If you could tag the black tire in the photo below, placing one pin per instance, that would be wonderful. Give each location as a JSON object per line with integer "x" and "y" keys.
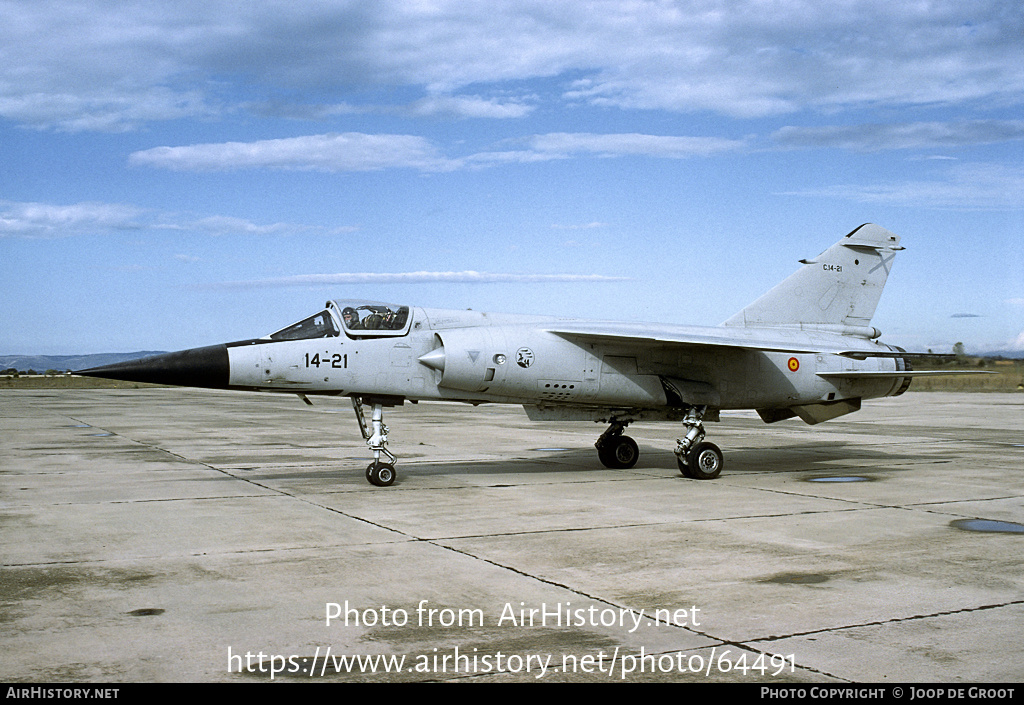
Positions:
{"x": 684, "y": 467}
{"x": 619, "y": 453}
{"x": 705, "y": 461}
{"x": 381, "y": 474}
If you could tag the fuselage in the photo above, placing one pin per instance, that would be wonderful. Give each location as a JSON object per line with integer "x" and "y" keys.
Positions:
{"x": 485, "y": 357}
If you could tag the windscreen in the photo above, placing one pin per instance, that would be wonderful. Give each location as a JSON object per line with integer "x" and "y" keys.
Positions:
{"x": 320, "y": 325}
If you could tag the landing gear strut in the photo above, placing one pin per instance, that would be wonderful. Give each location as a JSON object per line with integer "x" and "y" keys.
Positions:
{"x": 615, "y": 450}
{"x": 696, "y": 457}
{"x": 377, "y": 473}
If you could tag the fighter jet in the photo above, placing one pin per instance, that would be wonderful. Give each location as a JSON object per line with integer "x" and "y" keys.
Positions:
{"x": 805, "y": 349}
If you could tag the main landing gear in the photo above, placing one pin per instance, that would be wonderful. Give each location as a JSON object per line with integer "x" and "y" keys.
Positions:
{"x": 696, "y": 458}
{"x": 377, "y": 473}
{"x": 615, "y": 450}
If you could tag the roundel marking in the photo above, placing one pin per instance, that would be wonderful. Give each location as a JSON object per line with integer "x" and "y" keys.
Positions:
{"x": 794, "y": 364}
{"x": 524, "y": 357}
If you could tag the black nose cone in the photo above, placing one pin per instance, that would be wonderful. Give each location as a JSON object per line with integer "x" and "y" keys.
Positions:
{"x": 196, "y": 367}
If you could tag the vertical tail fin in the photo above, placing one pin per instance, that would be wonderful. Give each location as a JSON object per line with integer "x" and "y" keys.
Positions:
{"x": 838, "y": 290}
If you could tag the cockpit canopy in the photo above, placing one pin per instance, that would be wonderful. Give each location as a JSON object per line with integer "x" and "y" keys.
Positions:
{"x": 369, "y": 318}
{"x": 358, "y": 319}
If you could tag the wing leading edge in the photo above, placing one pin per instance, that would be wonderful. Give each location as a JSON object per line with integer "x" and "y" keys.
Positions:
{"x": 748, "y": 339}
{"x": 762, "y": 340}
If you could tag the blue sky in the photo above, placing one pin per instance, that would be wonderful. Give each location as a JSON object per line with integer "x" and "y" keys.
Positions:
{"x": 181, "y": 174}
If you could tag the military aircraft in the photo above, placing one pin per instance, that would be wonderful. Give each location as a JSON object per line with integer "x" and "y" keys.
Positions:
{"x": 805, "y": 349}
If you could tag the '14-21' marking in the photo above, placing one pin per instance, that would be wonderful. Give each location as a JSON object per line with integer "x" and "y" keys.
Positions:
{"x": 337, "y": 360}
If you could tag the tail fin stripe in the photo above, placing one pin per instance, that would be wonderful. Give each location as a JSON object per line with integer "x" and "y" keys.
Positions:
{"x": 884, "y": 261}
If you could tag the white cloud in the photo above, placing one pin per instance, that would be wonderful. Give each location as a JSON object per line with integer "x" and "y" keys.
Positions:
{"x": 351, "y": 151}
{"x": 102, "y": 110}
{"x": 434, "y": 106}
{"x": 362, "y": 152}
{"x": 966, "y": 186}
{"x": 43, "y": 220}
{"x": 466, "y": 277}
{"x": 468, "y": 107}
{"x": 566, "y": 145}
{"x": 228, "y": 225}
{"x": 916, "y": 135}
{"x": 90, "y": 64}
{"x": 615, "y": 145}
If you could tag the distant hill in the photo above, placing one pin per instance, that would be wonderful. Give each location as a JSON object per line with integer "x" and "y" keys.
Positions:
{"x": 1008, "y": 354}
{"x": 41, "y": 363}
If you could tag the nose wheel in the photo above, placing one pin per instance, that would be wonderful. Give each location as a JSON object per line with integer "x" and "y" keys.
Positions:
{"x": 378, "y": 473}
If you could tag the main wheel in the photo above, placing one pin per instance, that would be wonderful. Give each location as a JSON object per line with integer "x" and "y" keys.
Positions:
{"x": 380, "y": 474}
{"x": 705, "y": 461}
{"x": 619, "y": 453}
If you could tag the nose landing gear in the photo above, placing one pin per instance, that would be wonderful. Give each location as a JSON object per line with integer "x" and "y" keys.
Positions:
{"x": 378, "y": 473}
